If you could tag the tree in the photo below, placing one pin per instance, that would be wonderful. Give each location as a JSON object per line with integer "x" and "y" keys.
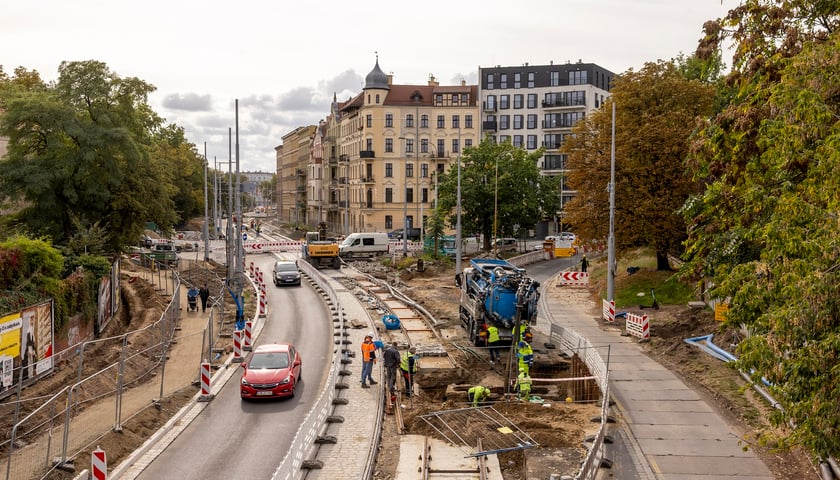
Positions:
{"x": 765, "y": 229}
{"x": 656, "y": 111}
{"x": 501, "y": 190}
{"x": 79, "y": 149}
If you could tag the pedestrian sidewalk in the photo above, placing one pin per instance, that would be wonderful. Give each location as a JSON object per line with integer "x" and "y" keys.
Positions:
{"x": 675, "y": 432}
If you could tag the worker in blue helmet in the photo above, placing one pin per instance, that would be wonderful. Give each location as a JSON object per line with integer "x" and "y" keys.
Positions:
{"x": 525, "y": 354}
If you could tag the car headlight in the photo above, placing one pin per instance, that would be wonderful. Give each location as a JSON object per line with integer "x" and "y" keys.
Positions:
{"x": 286, "y": 380}
{"x": 244, "y": 382}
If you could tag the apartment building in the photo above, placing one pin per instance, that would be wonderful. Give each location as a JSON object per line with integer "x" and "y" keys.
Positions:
{"x": 292, "y": 174}
{"x": 373, "y": 162}
{"x": 536, "y": 106}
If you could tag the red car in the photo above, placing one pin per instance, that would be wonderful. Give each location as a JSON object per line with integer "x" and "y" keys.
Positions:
{"x": 272, "y": 371}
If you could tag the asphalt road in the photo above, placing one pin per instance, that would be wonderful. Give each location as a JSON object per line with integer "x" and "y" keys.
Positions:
{"x": 236, "y": 439}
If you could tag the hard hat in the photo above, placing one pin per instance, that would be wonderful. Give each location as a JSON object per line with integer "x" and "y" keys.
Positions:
{"x": 521, "y": 370}
{"x": 369, "y": 335}
{"x": 412, "y": 350}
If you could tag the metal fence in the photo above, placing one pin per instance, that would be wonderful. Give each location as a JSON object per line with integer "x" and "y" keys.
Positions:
{"x": 73, "y": 419}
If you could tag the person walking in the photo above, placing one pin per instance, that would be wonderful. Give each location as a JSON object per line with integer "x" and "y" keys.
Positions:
{"x": 391, "y": 359}
{"x": 204, "y": 294}
{"x": 584, "y": 263}
{"x": 408, "y": 367}
{"x": 477, "y": 395}
{"x": 493, "y": 342}
{"x": 523, "y": 384}
{"x": 368, "y": 360}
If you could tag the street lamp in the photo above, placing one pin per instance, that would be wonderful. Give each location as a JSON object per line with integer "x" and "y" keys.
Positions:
{"x": 458, "y": 210}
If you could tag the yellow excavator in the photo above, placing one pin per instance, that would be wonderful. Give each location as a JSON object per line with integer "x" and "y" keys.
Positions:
{"x": 320, "y": 251}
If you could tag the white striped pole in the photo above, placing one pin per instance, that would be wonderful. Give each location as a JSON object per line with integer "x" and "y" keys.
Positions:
{"x": 246, "y": 343}
{"x": 205, "y": 383}
{"x": 99, "y": 464}
{"x": 237, "y": 346}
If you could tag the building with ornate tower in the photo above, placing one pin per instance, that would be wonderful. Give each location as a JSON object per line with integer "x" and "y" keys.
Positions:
{"x": 374, "y": 160}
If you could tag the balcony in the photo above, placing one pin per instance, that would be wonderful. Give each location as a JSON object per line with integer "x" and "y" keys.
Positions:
{"x": 551, "y": 145}
{"x": 342, "y": 180}
{"x": 488, "y": 106}
{"x": 301, "y": 188}
{"x": 333, "y": 160}
{"x": 300, "y": 172}
{"x": 441, "y": 154}
{"x": 489, "y": 126}
{"x": 367, "y": 154}
{"x": 344, "y": 158}
{"x": 367, "y": 179}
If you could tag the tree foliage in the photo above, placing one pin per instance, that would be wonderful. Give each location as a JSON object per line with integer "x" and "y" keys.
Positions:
{"x": 656, "y": 111}
{"x": 501, "y": 186}
{"x": 765, "y": 230}
{"x": 79, "y": 151}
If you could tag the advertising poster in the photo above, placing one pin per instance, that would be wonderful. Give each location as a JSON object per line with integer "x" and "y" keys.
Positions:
{"x": 26, "y": 345}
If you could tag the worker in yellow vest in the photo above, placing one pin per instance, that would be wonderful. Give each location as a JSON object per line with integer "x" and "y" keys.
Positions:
{"x": 477, "y": 395}
{"x": 526, "y": 356}
{"x": 493, "y": 342}
{"x": 523, "y": 384}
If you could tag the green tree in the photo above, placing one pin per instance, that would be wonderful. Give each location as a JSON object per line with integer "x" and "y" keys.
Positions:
{"x": 501, "y": 187}
{"x": 657, "y": 109}
{"x": 765, "y": 229}
{"x": 79, "y": 149}
{"x": 183, "y": 169}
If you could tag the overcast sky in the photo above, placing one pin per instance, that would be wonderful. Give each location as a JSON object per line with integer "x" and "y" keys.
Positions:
{"x": 284, "y": 60}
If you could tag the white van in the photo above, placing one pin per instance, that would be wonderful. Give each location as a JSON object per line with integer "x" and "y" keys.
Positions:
{"x": 369, "y": 244}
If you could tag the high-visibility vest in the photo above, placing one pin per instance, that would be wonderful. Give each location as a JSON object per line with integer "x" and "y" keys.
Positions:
{"x": 404, "y": 363}
{"x": 478, "y": 393}
{"x": 367, "y": 349}
{"x": 524, "y": 380}
{"x": 492, "y": 334}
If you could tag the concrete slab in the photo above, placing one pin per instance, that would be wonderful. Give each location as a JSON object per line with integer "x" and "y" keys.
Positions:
{"x": 694, "y": 447}
{"x": 730, "y": 467}
{"x": 667, "y": 405}
{"x": 673, "y": 432}
{"x": 672, "y": 418}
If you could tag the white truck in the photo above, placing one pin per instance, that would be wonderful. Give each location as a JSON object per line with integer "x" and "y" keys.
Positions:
{"x": 365, "y": 244}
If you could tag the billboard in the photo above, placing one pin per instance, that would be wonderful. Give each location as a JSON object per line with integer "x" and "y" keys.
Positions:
{"x": 26, "y": 345}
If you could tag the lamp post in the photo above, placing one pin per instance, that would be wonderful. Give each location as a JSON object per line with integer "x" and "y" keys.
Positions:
{"x": 458, "y": 211}
{"x": 206, "y": 230}
{"x": 496, "y": 209}
{"x": 611, "y": 238}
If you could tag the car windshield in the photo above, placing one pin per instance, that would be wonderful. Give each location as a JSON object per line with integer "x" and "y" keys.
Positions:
{"x": 270, "y": 360}
{"x": 285, "y": 267}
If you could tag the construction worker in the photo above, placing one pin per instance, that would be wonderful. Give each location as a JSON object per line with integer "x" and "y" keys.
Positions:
{"x": 493, "y": 342}
{"x": 525, "y": 354}
{"x": 408, "y": 367}
{"x": 478, "y": 395}
{"x": 523, "y": 383}
{"x": 524, "y": 333}
{"x": 368, "y": 360}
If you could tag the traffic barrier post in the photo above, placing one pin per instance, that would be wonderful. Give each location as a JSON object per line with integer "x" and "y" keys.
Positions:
{"x": 237, "y": 346}
{"x": 246, "y": 342}
{"x": 205, "y": 375}
{"x": 608, "y": 312}
{"x": 99, "y": 464}
{"x": 638, "y": 326}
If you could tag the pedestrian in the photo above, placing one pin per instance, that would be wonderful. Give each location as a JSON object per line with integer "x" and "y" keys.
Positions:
{"x": 204, "y": 294}
{"x": 526, "y": 356}
{"x": 583, "y": 263}
{"x": 478, "y": 395}
{"x": 523, "y": 384}
{"x": 493, "y": 341}
{"x": 368, "y": 360}
{"x": 408, "y": 367}
{"x": 391, "y": 360}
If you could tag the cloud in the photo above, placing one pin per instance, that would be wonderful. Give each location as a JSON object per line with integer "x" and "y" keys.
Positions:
{"x": 189, "y": 102}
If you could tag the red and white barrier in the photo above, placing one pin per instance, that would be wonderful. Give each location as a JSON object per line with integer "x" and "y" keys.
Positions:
{"x": 608, "y": 312}
{"x": 205, "y": 376}
{"x": 265, "y": 247}
{"x": 260, "y": 281}
{"x": 99, "y": 464}
{"x": 638, "y": 326}
{"x": 251, "y": 269}
{"x": 237, "y": 346}
{"x": 246, "y": 341}
{"x": 263, "y": 305}
{"x": 397, "y": 247}
{"x": 577, "y": 279}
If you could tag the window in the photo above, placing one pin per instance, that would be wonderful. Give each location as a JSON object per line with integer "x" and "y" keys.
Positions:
{"x": 517, "y": 100}
{"x": 503, "y": 80}
{"x": 377, "y": 98}
{"x": 517, "y": 141}
{"x": 504, "y": 101}
{"x": 424, "y": 121}
{"x": 517, "y": 80}
{"x": 554, "y": 79}
{"x": 369, "y": 121}
{"x": 468, "y": 143}
{"x": 465, "y": 99}
{"x": 490, "y": 103}
{"x": 389, "y": 195}
{"x": 409, "y": 120}
{"x": 424, "y": 170}
{"x": 389, "y": 120}
{"x": 409, "y": 195}
{"x": 409, "y": 145}
{"x": 389, "y": 222}
{"x": 424, "y": 145}
{"x": 455, "y": 145}
{"x": 504, "y": 122}
{"x": 530, "y": 79}
{"x": 409, "y": 170}
{"x": 504, "y": 138}
{"x": 389, "y": 145}
{"x": 424, "y": 195}
{"x": 490, "y": 81}
{"x": 532, "y": 100}
{"x": 468, "y": 121}
{"x": 455, "y": 99}
{"x": 532, "y": 142}
{"x": 389, "y": 170}
{"x": 456, "y": 121}
{"x": 368, "y": 144}
{"x": 440, "y": 147}
{"x": 441, "y": 121}
{"x": 577, "y": 78}
{"x": 438, "y": 99}
{"x": 555, "y": 162}
{"x": 517, "y": 122}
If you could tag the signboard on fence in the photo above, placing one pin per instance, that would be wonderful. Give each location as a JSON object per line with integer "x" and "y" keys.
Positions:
{"x": 573, "y": 278}
{"x": 26, "y": 345}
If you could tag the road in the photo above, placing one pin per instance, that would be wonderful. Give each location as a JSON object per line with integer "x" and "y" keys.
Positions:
{"x": 236, "y": 439}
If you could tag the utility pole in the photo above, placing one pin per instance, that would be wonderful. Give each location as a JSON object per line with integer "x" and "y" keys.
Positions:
{"x": 206, "y": 229}
{"x": 611, "y": 238}
{"x": 458, "y": 211}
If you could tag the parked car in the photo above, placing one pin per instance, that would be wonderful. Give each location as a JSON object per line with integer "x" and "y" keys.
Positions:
{"x": 413, "y": 234}
{"x": 272, "y": 371}
{"x": 286, "y": 273}
{"x": 505, "y": 245}
{"x": 366, "y": 244}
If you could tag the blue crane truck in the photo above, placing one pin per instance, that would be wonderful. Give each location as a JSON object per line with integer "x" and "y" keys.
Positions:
{"x": 496, "y": 292}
